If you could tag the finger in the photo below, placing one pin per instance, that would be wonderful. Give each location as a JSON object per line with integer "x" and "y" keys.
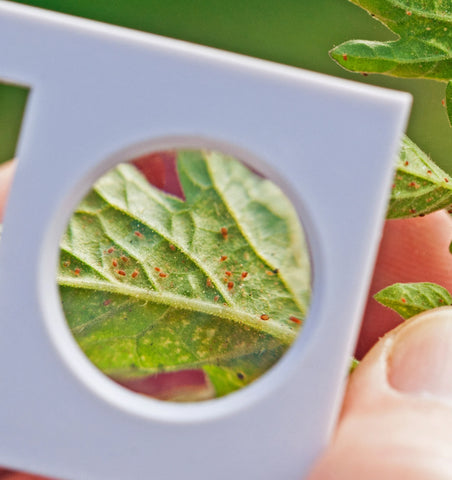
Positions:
{"x": 6, "y": 177}
{"x": 412, "y": 250}
{"x": 397, "y": 416}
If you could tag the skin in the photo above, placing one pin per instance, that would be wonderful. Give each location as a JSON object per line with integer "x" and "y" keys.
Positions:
{"x": 396, "y": 421}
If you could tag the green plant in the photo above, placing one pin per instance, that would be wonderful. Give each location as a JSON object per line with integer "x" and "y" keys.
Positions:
{"x": 423, "y": 50}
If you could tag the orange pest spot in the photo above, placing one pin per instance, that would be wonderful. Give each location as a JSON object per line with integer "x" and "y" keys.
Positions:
{"x": 414, "y": 185}
{"x": 393, "y": 185}
{"x": 413, "y": 210}
{"x": 403, "y": 300}
{"x": 209, "y": 282}
{"x": 223, "y": 258}
{"x": 157, "y": 269}
{"x": 77, "y": 271}
{"x": 66, "y": 263}
{"x": 244, "y": 274}
{"x": 446, "y": 180}
{"x": 124, "y": 258}
{"x": 111, "y": 250}
{"x": 269, "y": 272}
{"x": 107, "y": 302}
{"x": 295, "y": 319}
{"x": 344, "y": 56}
{"x": 224, "y": 232}
{"x": 216, "y": 298}
{"x": 406, "y": 163}
{"x": 443, "y": 102}
{"x": 134, "y": 274}
{"x": 429, "y": 172}
{"x": 228, "y": 273}
{"x": 138, "y": 234}
{"x": 163, "y": 275}
{"x": 264, "y": 316}
{"x": 172, "y": 247}
{"x": 230, "y": 285}
{"x": 409, "y": 13}
{"x": 121, "y": 272}
{"x": 114, "y": 263}
{"x": 364, "y": 74}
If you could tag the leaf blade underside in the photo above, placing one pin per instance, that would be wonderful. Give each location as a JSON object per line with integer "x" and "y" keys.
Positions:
{"x": 162, "y": 289}
{"x": 420, "y": 186}
{"x": 409, "y": 299}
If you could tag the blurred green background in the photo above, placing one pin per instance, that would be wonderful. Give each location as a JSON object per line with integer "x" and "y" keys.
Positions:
{"x": 294, "y": 32}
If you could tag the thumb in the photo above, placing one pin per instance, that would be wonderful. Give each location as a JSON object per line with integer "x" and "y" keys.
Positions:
{"x": 397, "y": 417}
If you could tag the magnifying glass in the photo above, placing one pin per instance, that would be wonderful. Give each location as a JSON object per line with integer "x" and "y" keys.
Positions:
{"x": 138, "y": 310}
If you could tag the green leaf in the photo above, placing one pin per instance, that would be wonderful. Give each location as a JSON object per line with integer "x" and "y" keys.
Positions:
{"x": 420, "y": 186}
{"x": 423, "y": 48}
{"x": 409, "y": 299}
{"x": 151, "y": 283}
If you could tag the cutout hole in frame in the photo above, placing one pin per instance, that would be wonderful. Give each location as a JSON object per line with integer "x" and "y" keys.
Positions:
{"x": 184, "y": 274}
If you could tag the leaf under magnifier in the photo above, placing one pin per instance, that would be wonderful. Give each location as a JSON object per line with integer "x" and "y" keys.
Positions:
{"x": 218, "y": 281}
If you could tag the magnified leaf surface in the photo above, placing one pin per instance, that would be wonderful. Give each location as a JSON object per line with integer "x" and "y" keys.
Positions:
{"x": 218, "y": 281}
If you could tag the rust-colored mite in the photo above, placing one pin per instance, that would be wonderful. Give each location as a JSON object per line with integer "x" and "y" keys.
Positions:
{"x": 114, "y": 263}
{"x": 295, "y": 319}
{"x": 77, "y": 271}
{"x": 230, "y": 285}
{"x": 124, "y": 258}
{"x": 172, "y": 247}
{"x": 406, "y": 163}
{"x": 157, "y": 269}
{"x": 111, "y": 250}
{"x": 163, "y": 275}
{"x": 443, "y": 102}
{"x": 209, "y": 282}
{"x": 216, "y": 298}
{"x": 403, "y": 300}
{"x": 446, "y": 180}
{"x": 409, "y": 13}
{"x": 344, "y": 56}
{"x": 223, "y": 258}
{"x": 429, "y": 172}
{"x": 244, "y": 274}
{"x": 138, "y": 234}
{"x": 228, "y": 273}
{"x": 121, "y": 272}
{"x": 107, "y": 302}
{"x": 224, "y": 232}
{"x": 264, "y": 316}
{"x": 134, "y": 274}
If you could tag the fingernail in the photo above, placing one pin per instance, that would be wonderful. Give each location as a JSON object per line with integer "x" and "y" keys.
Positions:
{"x": 420, "y": 361}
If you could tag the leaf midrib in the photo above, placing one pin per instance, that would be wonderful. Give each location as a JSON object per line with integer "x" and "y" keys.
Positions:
{"x": 272, "y": 327}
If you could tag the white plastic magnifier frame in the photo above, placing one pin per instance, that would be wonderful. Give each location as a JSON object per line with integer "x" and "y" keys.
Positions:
{"x": 102, "y": 94}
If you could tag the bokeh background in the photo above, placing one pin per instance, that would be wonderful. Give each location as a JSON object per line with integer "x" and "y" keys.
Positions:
{"x": 294, "y": 32}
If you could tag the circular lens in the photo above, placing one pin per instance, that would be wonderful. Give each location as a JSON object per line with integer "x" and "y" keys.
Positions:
{"x": 184, "y": 275}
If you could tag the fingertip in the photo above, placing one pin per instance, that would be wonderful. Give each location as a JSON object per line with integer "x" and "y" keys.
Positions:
{"x": 6, "y": 177}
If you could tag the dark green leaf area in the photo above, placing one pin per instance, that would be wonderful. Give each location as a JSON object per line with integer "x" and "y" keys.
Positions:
{"x": 153, "y": 283}
{"x": 124, "y": 338}
{"x": 424, "y": 46}
{"x": 409, "y": 299}
{"x": 420, "y": 186}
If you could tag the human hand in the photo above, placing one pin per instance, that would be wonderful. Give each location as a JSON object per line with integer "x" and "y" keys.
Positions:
{"x": 396, "y": 421}
{"x": 397, "y": 415}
